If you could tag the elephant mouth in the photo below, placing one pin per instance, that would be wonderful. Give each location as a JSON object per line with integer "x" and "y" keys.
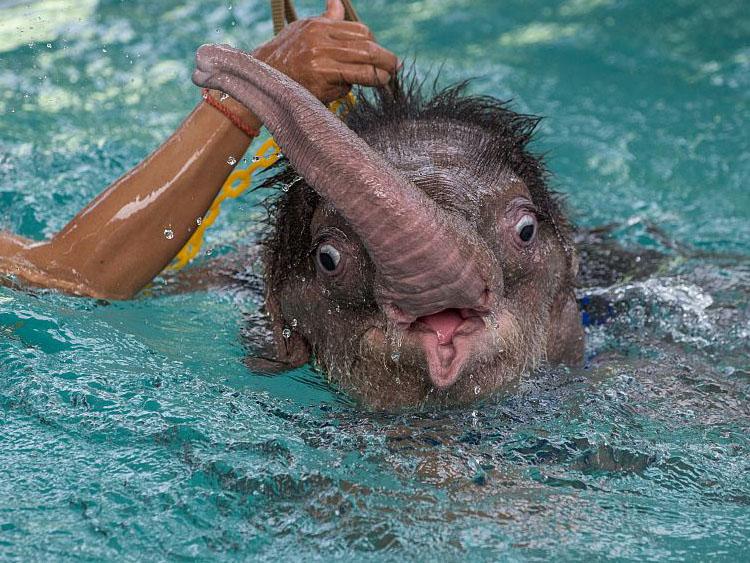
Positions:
{"x": 444, "y": 346}
{"x": 447, "y": 340}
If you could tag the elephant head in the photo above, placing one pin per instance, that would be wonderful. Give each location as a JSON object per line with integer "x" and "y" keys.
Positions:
{"x": 417, "y": 253}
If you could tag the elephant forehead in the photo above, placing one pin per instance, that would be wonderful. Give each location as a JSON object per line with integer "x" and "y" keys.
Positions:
{"x": 443, "y": 142}
{"x": 448, "y": 160}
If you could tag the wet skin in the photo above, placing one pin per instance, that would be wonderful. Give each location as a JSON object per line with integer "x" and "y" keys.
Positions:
{"x": 455, "y": 355}
{"x": 117, "y": 244}
{"x": 419, "y": 256}
{"x": 436, "y": 270}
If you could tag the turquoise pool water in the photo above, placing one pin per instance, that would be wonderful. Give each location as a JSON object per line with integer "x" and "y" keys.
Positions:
{"x": 132, "y": 430}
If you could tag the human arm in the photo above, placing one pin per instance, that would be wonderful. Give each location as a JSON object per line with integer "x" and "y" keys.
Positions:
{"x": 117, "y": 243}
{"x": 126, "y": 236}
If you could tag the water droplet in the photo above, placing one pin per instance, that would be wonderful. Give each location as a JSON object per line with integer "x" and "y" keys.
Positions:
{"x": 294, "y": 323}
{"x": 231, "y": 161}
{"x": 285, "y": 188}
{"x": 395, "y": 356}
{"x": 477, "y": 389}
{"x": 286, "y": 333}
{"x": 199, "y": 220}
{"x": 168, "y": 234}
{"x": 223, "y": 97}
{"x": 256, "y": 159}
{"x": 49, "y": 45}
{"x": 330, "y": 312}
{"x": 209, "y": 251}
{"x": 338, "y": 309}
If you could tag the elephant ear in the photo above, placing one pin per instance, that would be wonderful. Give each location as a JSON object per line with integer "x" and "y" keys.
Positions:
{"x": 272, "y": 352}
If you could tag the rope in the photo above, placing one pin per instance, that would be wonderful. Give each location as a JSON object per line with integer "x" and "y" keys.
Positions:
{"x": 240, "y": 180}
{"x": 283, "y": 12}
{"x": 351, "y": 13}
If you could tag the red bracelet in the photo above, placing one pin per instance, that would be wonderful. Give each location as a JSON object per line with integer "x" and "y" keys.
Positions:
{"x": 251, "y": 132}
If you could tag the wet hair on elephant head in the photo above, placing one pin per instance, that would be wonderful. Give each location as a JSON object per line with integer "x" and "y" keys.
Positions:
{"x": 415, "y": 252}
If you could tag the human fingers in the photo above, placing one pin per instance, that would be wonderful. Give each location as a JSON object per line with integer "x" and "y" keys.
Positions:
{"x": 334, "y": 10}
{"x": 345, "y": 74}
{"x": 349, "y": 31}
{"x": 366, "y": 53}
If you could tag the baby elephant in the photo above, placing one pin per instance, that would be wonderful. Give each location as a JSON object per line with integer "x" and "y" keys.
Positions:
{"x": 417, "y": 254}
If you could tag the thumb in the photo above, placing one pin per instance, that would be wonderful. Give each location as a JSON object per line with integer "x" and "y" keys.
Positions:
{"x": 334, "y": 10}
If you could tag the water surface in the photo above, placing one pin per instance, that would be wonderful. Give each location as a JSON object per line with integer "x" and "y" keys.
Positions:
{"x": 133, "y": 431}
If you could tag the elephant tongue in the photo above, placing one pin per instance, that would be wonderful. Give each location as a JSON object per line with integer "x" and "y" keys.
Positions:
{"x": 444, "y": 324}
{"x": 444, "y": 358}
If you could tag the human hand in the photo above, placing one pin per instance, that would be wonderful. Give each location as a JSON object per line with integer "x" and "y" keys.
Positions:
{"x": 326, "y": 54}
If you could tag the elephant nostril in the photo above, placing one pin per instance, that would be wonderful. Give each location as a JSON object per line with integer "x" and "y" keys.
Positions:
{"x": 204, "y": 57}
{"x": 201, "y": 78}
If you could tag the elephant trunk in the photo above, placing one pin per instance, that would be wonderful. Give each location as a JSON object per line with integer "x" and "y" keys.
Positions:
{"x": 425, "y": 258}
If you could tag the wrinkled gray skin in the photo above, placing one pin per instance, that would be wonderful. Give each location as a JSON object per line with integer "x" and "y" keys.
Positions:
{"x": 434, "y": 296}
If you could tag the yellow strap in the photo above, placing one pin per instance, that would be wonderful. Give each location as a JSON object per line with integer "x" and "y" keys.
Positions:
{"x": 237, "y": 182}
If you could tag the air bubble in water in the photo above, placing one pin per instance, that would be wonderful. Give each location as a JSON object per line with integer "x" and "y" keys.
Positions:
{"x": 168, "y": 234}
{"x": 286, "y": 333}
{"x": 223, "y": 97}
{"x": 256, "y": 159}
{"x": 231, "y": 161}
{"x": 395, "y": 356}
{"x": 477, "y": 389}
{"x": 294, "y": 322}
{"x": 199, "y": 220}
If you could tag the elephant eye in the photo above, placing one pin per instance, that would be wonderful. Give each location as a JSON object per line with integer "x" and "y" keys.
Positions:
{"x": 526, "y": 228}
{"x": 328, "y": 258}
